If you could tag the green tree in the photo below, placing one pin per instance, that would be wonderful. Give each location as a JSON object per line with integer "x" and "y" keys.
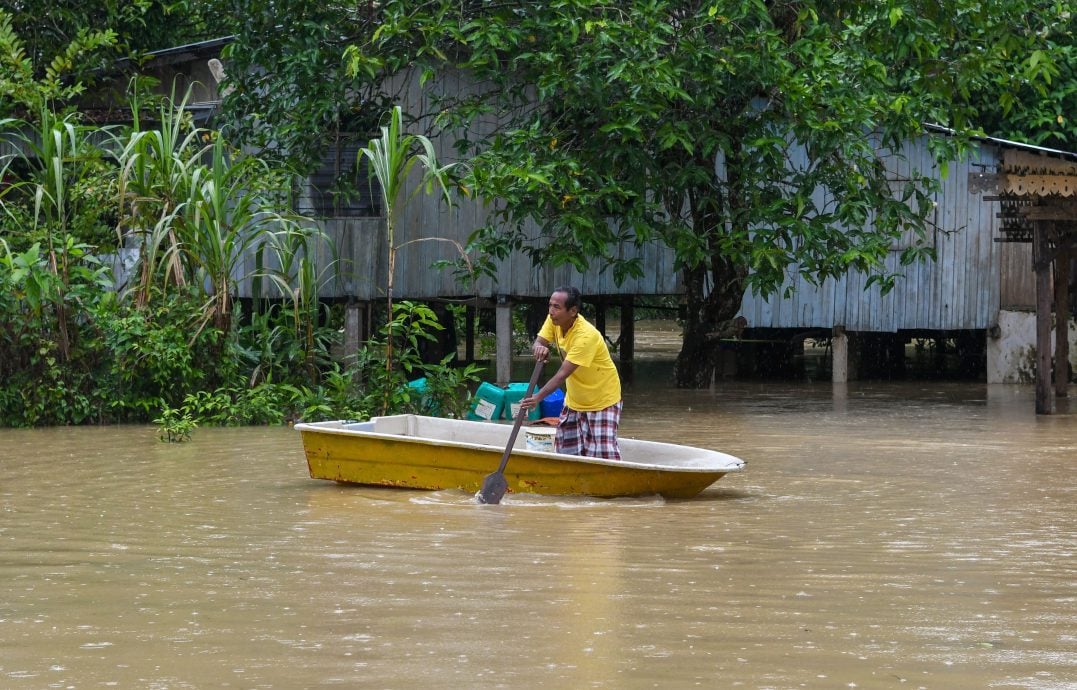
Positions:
{"x": 289, "y": 93}
{"x": 1038, "y": 104}
{"x": 49, "y": 27}
{"x": 28, "y": 82}
{"x": 391, "y": 158}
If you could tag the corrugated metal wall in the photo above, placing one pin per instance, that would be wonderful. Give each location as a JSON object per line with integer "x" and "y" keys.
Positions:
{"x": 961, "y": 290}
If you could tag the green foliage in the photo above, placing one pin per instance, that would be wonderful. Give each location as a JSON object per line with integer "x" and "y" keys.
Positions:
{"x": 265, "y": 403}
{"x": 190, "y": 208}
{"x": 47, "y": 357}
{"x": 157, "y": 354}
{"x": 391, "y": 158}
{"x": 446, "y": 389}
{"x": 631, "y": 108}
{"x": 33, "y": 77}
{"x": 1037, "y": 103}
{"x": 678, "y": 121}
{"x": 357, "y": 391}
{"x": 385, "y": 388}
{"x": 72, "y": 350}
{"x": 340, "y": 396}
{"x": 289, "y": 95}
{"x": 52, "y": 50}
{"x": 196, "y": 221}
{"x": 175, "y": 426}
{"x": 59, "y": 182}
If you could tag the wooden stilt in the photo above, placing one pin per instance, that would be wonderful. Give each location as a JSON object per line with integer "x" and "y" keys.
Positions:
{"x": 469, "y": 338}
{"x": 353, "y": 329}
{"x": 627, "y": 348}
{"x": 1062, "y": 311}
{"x": 626, "y": 351}
{"x": 1042, "y": 267}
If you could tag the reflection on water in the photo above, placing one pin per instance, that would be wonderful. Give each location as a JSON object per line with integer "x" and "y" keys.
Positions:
{"x": 917, "y": 535}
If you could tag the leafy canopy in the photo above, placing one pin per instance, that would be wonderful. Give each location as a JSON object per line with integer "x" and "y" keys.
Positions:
{"x": 676, "y": 120}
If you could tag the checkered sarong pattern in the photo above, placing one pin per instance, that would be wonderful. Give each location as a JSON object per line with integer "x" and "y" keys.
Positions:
{"x": 591, "y": 434}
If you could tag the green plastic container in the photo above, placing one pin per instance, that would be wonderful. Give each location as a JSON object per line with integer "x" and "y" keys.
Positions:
{"x": 514, "y": 393}
{"x": 426, "y": 404}
{"x": 487, "y": 404}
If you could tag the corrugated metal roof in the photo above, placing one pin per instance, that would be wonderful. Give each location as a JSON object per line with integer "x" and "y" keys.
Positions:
{"x": 1006, "y": 143}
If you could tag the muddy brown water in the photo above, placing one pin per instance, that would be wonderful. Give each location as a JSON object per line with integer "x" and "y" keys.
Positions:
{"x": 882, "y": 536}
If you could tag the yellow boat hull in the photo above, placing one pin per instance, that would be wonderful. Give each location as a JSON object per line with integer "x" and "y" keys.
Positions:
{"x": 451, "y": 454}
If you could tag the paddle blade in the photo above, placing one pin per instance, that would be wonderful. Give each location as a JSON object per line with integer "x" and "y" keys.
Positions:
{"x": 493, "y": 489}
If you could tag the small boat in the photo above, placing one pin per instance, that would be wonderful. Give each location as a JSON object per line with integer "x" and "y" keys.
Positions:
{"x": 416, "y": 452}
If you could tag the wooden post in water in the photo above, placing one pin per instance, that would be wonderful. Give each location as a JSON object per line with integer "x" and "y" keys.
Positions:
{"x": 839, "y": 353}
{"x": 503, "y": 321}
{"x": 1041, "y": 263}
{"x": 1062, "y": 314}
{"x": 626, "y": 351}
{"x": 353, "y": 328}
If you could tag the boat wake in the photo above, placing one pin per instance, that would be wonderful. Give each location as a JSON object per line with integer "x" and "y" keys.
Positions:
{"x": 457, "y": 497}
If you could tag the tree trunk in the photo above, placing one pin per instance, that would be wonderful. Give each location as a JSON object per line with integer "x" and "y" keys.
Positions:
{"x": 698, "y": 356}
{"x": 706, "y": 311}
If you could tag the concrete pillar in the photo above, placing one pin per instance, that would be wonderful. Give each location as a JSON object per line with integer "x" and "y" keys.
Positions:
{"x": 993, "y": 348}
{"x": 839, "y": 349}
{"x": 353, "y": 328}
{"x": 503, "y": 321}
{"x": 839, "y": 398}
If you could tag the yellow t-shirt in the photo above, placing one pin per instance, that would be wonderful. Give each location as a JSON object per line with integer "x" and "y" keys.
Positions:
{"x": 595, "y": 384}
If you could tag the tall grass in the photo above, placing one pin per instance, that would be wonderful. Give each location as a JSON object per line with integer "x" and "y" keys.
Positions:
{"x": 390, "y": 158}
{"x": 198, "y": 211}
{"x": 57, "y": 153}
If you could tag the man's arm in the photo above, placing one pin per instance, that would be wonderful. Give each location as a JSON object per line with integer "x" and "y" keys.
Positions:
{"x": 553, "y": 384}
{"x": 541, "y": 348}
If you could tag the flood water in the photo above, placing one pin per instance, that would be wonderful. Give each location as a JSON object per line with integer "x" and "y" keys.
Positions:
{"x": 882, "y": 536}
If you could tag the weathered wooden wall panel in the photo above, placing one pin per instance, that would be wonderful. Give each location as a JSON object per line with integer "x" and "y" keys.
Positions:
{"x": 960, "y": 290}
{"x": 428, "y": 230}
{"x": 1017, "y": 278}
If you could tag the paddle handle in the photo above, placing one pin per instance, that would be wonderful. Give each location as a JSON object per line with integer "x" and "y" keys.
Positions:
{"x": 520, "y": 414}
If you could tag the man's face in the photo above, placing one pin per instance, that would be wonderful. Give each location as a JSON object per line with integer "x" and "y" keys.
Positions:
{"x": 559, "y": 314}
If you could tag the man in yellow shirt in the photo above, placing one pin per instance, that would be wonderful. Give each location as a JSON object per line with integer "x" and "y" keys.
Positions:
{"x": 592, "y": 410}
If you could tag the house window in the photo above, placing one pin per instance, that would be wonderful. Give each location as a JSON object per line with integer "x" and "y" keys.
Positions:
{"x": 910, "y": 238}
{"x": 340, "y": 186}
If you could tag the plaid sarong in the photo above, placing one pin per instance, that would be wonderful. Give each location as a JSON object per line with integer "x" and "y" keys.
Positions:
{"x": 592, "y": 434}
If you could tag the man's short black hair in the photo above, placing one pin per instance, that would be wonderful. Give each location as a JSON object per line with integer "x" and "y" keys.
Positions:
{"x": 572, "y": 296}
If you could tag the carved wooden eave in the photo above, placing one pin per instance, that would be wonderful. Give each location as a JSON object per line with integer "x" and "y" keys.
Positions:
{"x": 1031, "y": 186}
{"x": 1023, "y": 174}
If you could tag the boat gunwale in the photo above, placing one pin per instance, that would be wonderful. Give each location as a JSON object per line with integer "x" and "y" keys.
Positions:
{"x": 734, "y": 464}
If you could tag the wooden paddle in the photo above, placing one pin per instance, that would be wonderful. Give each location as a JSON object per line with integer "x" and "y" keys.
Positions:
{"x": 495, "y": 485}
